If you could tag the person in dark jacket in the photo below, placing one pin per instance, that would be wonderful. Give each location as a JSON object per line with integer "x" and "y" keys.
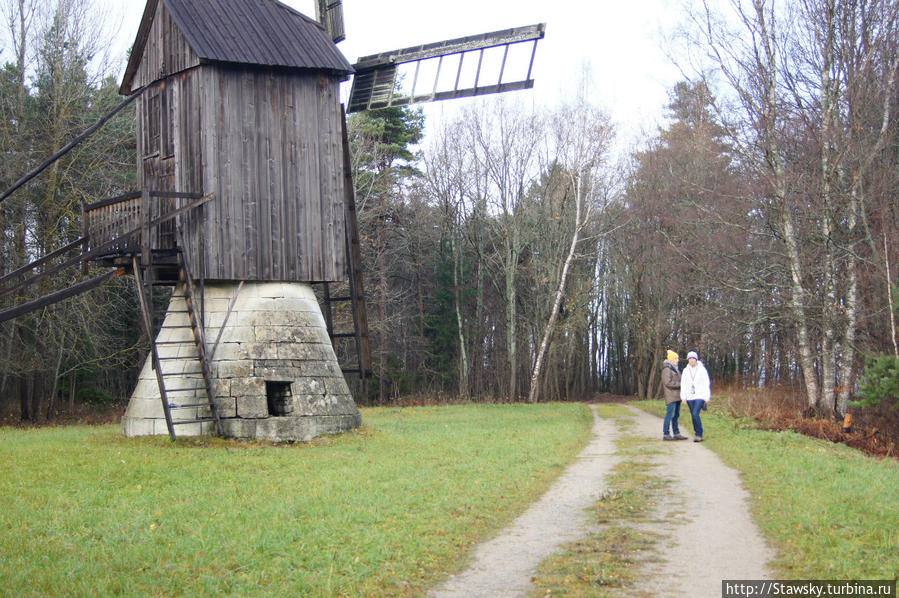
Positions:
{"x": 671, "y": 386}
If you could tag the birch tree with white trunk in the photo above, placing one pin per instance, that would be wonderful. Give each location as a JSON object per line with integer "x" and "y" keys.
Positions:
{"x": 580, "y": 135}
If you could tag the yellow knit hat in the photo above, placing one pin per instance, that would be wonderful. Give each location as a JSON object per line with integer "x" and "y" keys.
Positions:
{"x": 672, "y": 356}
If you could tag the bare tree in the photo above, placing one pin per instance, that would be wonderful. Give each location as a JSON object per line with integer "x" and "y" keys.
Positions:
{"x": 581, "y": 134}
{"x": 507, "y": 156}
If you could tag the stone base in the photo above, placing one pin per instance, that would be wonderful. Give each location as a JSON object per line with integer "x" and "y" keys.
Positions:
{"x": 289, "y": 429}
{"x": 274, "y": 371}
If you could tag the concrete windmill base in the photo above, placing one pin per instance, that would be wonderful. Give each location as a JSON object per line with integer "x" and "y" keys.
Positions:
{"x": 274, "y": 370}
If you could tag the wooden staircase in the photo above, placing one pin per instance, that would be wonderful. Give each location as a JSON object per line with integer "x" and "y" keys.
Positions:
{"x": 182, "y": 366}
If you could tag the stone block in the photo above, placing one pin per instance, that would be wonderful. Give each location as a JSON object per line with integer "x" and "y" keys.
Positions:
{"x": 239, "y": 428}
{"x": 177, "y": 319}
{"x": 337, "y": 386}
{"x": 182, "y": 413}
{"x": 297, "y": 304}
{"x": 232, "y": 368}
{"x": 227, "y": 406}
{"x": 132, "y": 427}
{"x": 221, "y": 387}
{"x": 242, "y": 387}
{"x": 252, "y": 406}
{"x": 188, "y": 350}
{"x": 258, "y": 304}
{"x": 249, "y": 318}
{"x": 318, "y": 405}
{"x": 322, "y": 369}
{"x": 258, "y": 351}
{"x": 272, "y": 289}
{"x": 229, "y": 352}
{"x": 216, "y": 304}
{"x": 165, "y": 351}
{"x": 195, "y": 429}
{"x": 145, "y": 408}
{"x": 286, "y": 429}
{"x": 239, "y": 334}
{"x": 147, "y": 388}
{"x": 214, "y": 321}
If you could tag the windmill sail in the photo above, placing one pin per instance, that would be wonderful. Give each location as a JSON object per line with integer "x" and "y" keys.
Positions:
{"x": 455, "y": 68}
{"x": 330, "y": 14}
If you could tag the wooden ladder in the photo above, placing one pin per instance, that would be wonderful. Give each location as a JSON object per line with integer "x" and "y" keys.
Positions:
{"x": 200, "y": 398}
{"x": 354, "y": 293}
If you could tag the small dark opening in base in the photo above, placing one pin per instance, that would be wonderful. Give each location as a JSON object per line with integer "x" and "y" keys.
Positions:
{"x": 278, "y": 397}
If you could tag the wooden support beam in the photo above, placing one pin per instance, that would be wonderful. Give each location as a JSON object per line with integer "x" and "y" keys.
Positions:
{"x": 29, "y": 267}
{"x": 71, "y": 145}
{"x": 101, "y": 250}
{"x": 58, "y": 296}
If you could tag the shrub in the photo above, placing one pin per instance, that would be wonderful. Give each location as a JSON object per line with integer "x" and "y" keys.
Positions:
{"x": 95, "y": 397}
{"x": 880, "y": 384}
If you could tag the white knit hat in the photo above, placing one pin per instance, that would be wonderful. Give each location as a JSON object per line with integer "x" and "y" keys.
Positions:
{"x": 692, "y": 355}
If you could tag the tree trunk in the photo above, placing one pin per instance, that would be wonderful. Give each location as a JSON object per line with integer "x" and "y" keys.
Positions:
{"x": 463, "y": 354}
{"x": 51, "y": 399}
{"x": 72, "y": 393}
{"x": 24, "y": 399}
{"x": 511, "y": 318}
{"x": 560, "y": 294}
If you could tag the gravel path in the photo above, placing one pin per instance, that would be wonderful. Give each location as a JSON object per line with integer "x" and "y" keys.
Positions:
{"x": 505, "y": 565}
{"x": 709, "y": 537}
{"x": 716, "y": 539}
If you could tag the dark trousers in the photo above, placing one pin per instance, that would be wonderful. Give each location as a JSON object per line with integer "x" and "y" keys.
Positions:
{"x": 671, "y": 415}
{"x": 695, "y": 407}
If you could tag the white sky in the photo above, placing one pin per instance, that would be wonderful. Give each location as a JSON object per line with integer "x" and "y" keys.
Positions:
{"x": 621, "y": 40}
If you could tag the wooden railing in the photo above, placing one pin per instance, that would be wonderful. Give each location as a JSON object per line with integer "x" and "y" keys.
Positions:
{"x": 114, "y": 223}
{"x": 111, "y": 219}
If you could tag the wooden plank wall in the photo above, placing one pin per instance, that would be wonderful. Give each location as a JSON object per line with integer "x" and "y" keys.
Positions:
{"x": 166, "y": 51}
{"x": 265, "y": 142}
{"x": 271, "y": 153}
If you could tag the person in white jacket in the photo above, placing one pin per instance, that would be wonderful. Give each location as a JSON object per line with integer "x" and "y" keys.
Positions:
{"x": 695, "y": 391}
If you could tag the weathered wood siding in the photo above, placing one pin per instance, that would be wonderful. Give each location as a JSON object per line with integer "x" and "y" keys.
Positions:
{"x": 268, "y": 145}
{"x": 166, "y": 51}
{"x": 265, "y": 141}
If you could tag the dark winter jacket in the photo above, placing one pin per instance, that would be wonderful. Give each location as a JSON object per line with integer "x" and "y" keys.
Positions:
{"x": 671, "y": 383}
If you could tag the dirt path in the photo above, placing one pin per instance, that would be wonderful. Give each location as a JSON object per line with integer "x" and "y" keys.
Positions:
{"x": 715, "y": 538}
{"x": 709, "y": 536}
{"x": 505, "y": 565}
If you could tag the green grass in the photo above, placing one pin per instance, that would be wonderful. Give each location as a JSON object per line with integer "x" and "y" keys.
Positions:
{"x": 384, "y": 511}
{"x": 828, "y": 509}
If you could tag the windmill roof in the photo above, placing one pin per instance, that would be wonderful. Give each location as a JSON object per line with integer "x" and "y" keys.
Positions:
{"x": 259, "y": 32}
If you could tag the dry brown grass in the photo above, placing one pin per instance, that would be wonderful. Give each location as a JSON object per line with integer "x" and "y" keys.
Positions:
{"x": 873, "y": 432}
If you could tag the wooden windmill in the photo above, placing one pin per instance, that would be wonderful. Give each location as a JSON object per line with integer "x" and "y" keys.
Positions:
{"x": 246, "y": 202}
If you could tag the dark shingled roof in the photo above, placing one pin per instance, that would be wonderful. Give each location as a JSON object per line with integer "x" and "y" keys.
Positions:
{"x": 260, "y": 32}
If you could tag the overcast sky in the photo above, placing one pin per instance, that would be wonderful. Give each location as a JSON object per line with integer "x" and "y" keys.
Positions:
{"x": 622, "y": 41}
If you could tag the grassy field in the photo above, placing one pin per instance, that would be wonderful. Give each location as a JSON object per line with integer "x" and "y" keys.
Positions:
{"x": 385, "y": 511}
{"x": 390, "y": 509}
{"x": 828, "y": 509}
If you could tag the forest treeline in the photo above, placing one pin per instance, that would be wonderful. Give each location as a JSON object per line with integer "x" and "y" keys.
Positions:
{"x": 516, "y": 253}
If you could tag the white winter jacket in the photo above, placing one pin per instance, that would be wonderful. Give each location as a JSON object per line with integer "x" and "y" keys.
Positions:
{"x": 695, "y": 383}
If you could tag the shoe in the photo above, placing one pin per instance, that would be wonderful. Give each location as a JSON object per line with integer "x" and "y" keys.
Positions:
{"x": 697, "y": 439}
{"x": 667, "y": 437}
{"x": 679, "y": 437}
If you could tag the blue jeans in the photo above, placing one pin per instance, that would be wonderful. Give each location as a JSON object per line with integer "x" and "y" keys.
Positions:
{"x": 695, "y": 407}
{"x": 671, "y": 415}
